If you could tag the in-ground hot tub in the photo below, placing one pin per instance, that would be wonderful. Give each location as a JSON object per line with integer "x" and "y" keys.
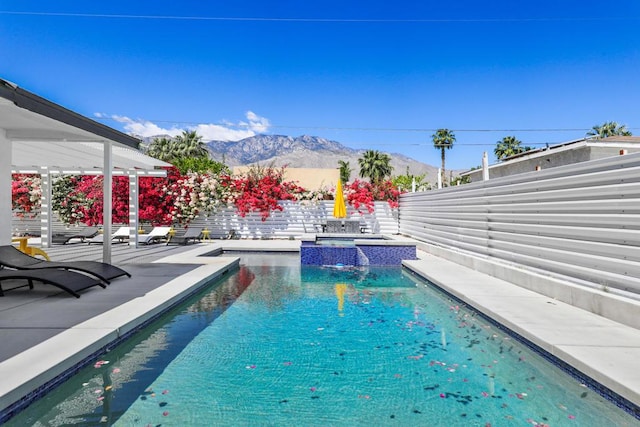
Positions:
{"x": 349, "y": 251}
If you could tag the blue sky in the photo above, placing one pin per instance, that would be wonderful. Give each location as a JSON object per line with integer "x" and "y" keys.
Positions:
{"x": 377, "y": 74}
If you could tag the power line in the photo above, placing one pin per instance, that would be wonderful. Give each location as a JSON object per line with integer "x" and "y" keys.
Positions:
{"x": 314, "y": 20}
{"x": 360, "y": 129}
{"x": 424, "y": 129}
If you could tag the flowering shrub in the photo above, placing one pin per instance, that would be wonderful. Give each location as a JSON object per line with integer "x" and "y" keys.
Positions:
{"x": 315, "y": 196}
{"x": 154, "y": 202}
{"x": 79, "y": 199}
{"x": 191, "y": 194}
{"x": 387, "y": 191}
{"x": 179, "y": 198}
{"x": 162, "y": 201}
{"x": 64, "y": 201}
{"x": 362, "y": 194}
{"x": 258, "y": 191}
{"x": 26, "y": 194}
{"x": 90, "y": 189}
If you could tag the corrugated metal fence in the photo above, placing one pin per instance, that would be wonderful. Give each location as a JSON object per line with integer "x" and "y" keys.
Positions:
{"x": 580, "y": 220}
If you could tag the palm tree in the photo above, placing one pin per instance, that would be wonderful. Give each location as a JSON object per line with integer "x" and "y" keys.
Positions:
{"x": 190, "y": 144}
{"x": 443, "y": 139}
{"x": 509, "y": 146}
{"x": 162, "y": 149}
{"x": 375, "y": 166}
{"x": 345, "y": 171}
{"x": 609, "y": 129}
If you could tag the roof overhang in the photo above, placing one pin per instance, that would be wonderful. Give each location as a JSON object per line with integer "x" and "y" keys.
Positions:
{"x": 37, "y": 134}
{"x": 44, "y": 134}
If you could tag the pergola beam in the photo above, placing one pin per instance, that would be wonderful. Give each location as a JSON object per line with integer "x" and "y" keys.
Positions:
{"x": 5, "y": 190}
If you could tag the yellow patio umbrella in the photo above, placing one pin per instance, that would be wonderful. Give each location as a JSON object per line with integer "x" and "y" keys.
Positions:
{"x": 339, "y": 207}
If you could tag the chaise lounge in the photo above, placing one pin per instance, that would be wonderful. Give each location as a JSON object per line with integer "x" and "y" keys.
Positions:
{"x": 154, "y": 236}
{"x": 68, "y": 281}
{"x": 120, "y": 235}
{"x": 64, "y": 238}
{"x": 11, "y": 257}
{"x": 192, "y": 234}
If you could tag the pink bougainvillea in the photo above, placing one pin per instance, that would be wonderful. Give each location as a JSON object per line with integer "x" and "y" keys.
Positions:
{"x": 156, "y": 200}
{"x": 179, "y": 198}
{"x": 362, "y": 195}
{"x": 258, "y": 191}
{"x": 89, "y": 190}
{"x": 26, "y": 193}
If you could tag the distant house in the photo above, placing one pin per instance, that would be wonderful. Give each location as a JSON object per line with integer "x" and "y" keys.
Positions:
{"x": 566, "y": 153}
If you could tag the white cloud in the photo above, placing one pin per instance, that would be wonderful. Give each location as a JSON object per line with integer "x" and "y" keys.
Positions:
{"x": 227, "y": 131}
{"x": 144, "y": 128}
{"x": 257, "y": 123}
{"x": 221, "y": 133}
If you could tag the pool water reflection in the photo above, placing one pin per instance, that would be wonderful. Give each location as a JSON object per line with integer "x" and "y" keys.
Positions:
{"x": 273, "y": 345}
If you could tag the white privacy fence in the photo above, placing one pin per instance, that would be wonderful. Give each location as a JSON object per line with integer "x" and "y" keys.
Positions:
{"x": 294, "y": 220}
{"x": 580, "y": 220}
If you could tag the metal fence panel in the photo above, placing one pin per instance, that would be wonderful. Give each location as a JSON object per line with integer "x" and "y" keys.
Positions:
{"x": 580, "y": 220}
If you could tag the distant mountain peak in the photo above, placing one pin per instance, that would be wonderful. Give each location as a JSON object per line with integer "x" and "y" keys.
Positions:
{"x": 305, "y": 151}
{"x": 261, "y": 147}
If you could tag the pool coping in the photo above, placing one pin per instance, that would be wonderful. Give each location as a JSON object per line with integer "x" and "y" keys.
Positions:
{"x": 599, "y": 348}
{"x": 67, "y": 350}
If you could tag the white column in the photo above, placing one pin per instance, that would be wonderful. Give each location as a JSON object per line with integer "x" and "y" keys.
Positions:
{"x": 485, "y": 167}
{"x": 45, "y": 210}
{"x": 439, "y": 178}
{"x": 5, "y": 189}
{"x": 107, "y": 191}
{"x": 133, "y": 208}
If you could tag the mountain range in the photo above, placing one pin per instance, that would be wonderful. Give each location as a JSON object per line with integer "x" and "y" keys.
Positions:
{"x": 305, "y": 152}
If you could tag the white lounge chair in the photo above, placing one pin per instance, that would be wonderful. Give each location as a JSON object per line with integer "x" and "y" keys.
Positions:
{"x": 155, "y": 235}
{"x": 120, "y": 235}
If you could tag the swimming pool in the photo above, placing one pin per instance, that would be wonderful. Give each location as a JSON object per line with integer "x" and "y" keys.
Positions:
{"x": 276, "y": 345}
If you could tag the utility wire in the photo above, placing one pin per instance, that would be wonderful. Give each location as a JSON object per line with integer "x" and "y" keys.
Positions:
{"x": 314, "y": 20}
{"x": 359, "y": 129}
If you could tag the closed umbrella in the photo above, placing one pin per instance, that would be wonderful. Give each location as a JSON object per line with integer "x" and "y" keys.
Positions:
{"x": 339, "y": 207}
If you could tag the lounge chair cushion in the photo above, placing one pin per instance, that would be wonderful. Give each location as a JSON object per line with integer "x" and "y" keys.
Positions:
{"x": 155, "y": 235}
{"x": 121, "y": 235}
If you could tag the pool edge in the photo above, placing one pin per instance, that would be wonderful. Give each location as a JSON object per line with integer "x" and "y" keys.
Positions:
{"x": 54, "y": 360}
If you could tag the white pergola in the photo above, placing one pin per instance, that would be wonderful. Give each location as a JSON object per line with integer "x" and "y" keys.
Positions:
{"x": 39, "y": 136}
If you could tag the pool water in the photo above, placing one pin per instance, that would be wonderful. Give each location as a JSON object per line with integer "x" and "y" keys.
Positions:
{"x": 291, "y": 345}
{"x": 336, "y": 242}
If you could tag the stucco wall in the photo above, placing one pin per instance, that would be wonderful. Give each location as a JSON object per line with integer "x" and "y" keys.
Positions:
{"x": 309, "y": 178}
